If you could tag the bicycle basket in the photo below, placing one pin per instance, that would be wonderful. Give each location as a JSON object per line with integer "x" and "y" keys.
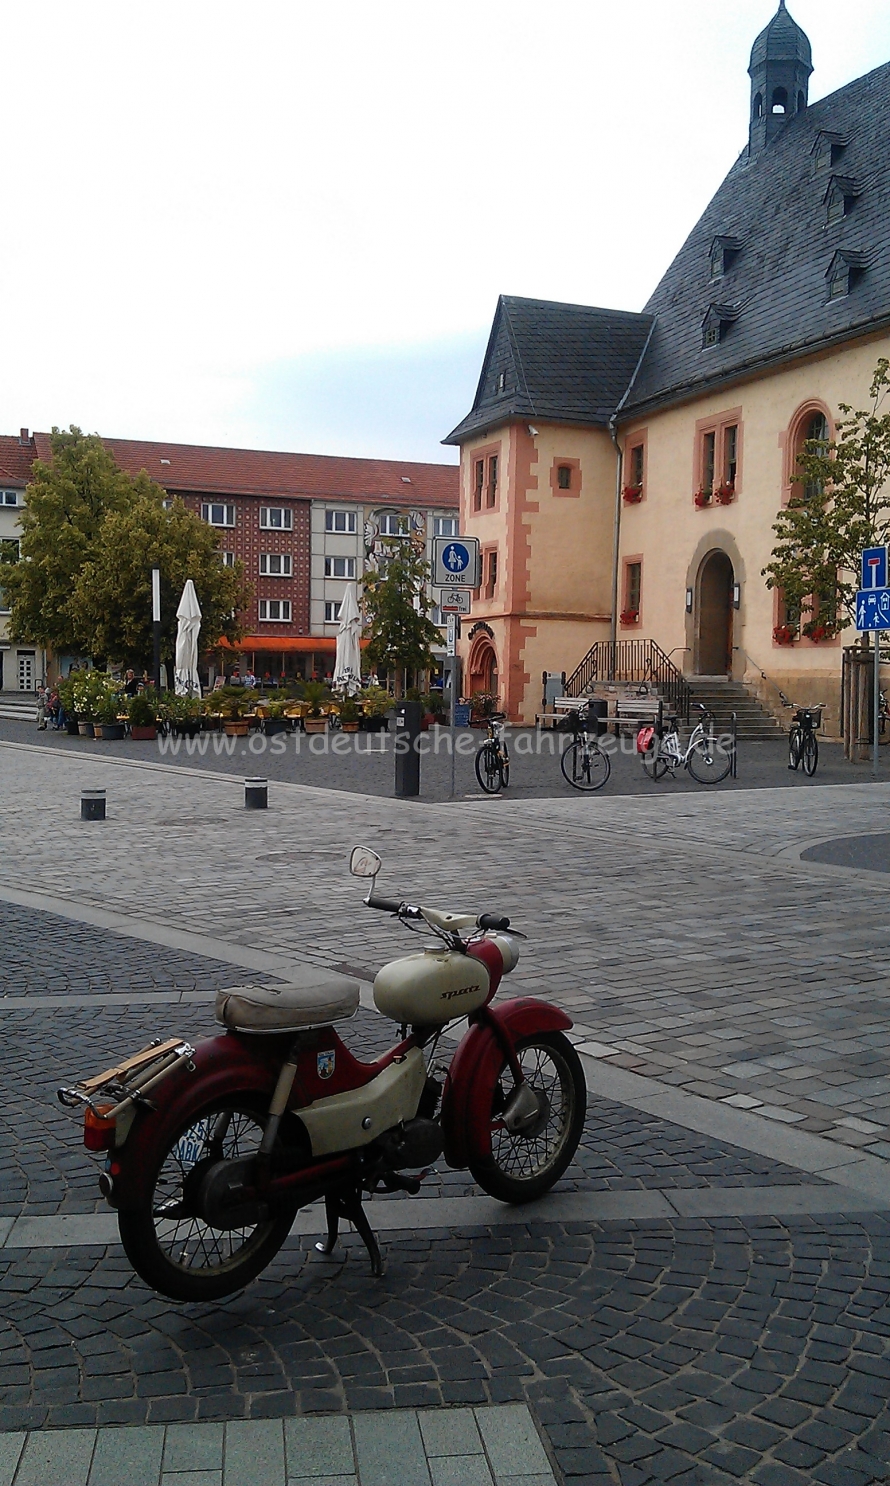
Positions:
{"x": 645, "y": 738}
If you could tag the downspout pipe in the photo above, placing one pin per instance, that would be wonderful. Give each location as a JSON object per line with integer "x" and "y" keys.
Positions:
{"x": 619, "y": 471}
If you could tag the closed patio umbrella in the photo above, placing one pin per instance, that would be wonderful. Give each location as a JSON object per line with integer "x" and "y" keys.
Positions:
{"x": 188, "y": 617}
{"x": 348, "y": 665}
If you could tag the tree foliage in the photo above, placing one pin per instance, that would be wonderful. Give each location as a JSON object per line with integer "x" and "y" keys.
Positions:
{"x": 840, "y": 505}
{"x": 91, "y": 534}
{"x": 397, "y": 608}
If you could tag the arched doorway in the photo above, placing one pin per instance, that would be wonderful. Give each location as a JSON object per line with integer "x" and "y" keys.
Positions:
{"x": 482, "y": 668}
{"x": 713, "y": 647}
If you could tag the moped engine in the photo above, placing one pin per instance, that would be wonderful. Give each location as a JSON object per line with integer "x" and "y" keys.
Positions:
{"x": 416, "y": 1143}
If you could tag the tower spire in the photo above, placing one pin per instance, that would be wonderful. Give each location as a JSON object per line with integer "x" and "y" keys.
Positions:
{"x": 780, "y": 67}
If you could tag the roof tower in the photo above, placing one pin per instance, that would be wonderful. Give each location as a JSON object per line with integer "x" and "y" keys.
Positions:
{"x": 780, "y": 67}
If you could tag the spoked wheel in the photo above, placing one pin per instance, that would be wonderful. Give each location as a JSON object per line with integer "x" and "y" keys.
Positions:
{"x": 709, "y": 761}
{"x": 505, "y": 768}
{"x": 810, "y": 754}
{"x": 584, "y": 768}
{"x": 794, "y": 749}
{"x": 653, "y": 764}
{"x": 526, "y": 1163}
{"x": 488, "y": 769}
{"x": 168, "y": 1242}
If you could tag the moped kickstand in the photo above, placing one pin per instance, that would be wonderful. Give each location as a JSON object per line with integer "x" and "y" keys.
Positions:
{"x": 348, "y": 1204}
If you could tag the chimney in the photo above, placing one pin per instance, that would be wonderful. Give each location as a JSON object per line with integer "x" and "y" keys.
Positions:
{"x": 24, "y": 437}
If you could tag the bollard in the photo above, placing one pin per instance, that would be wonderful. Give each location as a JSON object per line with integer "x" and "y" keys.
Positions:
{"x": 92, "y": 804}
{"x": 407, "y": 781}
{"x": 256, "y": 794}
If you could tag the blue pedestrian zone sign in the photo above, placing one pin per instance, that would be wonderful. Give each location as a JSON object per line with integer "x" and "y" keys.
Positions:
{"x": 873, "y": 608}
{"x": 456, "y": 557}
{"x": 874, "y": 569}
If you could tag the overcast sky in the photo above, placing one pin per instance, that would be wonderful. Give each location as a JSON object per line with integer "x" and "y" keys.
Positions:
{"x": 284, "y": 225}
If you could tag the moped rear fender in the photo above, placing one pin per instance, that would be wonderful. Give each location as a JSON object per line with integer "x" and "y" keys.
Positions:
{"x": 223, "y": 1066}
{"x": 466, "y": 1101}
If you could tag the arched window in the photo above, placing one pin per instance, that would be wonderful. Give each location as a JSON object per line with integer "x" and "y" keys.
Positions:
{"x": 814, "y": 432}
{"x": 758, "y": 106}
{"x": 780, "y": 101}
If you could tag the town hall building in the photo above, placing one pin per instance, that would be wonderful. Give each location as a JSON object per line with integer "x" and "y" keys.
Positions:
{"x": 623, "y": 470}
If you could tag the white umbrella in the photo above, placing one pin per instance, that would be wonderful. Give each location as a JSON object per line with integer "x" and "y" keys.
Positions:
{"x": 188, "y": 617}
{"x": 348, "y": 665}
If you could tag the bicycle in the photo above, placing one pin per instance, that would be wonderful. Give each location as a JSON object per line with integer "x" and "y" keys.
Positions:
{"x": 583, "y": 763}
{"x": 803, "y": 747}
{"x": 705, "y": 756}
{"x": 492, "y": 759}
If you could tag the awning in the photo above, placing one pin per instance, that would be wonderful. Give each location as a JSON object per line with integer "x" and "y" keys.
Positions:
{"x": 283, "y": 644}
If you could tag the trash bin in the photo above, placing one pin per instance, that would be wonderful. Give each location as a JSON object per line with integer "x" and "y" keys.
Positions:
{"x": 597, "y": 712}
{"x": 407, "y": 782}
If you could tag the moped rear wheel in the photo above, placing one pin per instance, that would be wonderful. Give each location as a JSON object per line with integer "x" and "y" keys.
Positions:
{"x": 525, "y": 1164}
{"x": 168, "y": 1242}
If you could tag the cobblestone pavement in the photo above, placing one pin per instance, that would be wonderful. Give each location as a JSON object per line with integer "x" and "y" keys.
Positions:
{"x": 683, "y": 933}
{"x": 364, "y": 762}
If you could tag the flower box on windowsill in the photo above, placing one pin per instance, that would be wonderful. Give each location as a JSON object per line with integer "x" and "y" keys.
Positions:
{"x": 724, "y": 495}
{"x": 632, "y": 494}
{"x": 629, "y": 616}
{"x": 818, "y": 633}
{"x": 702, "y": 498}
{"x": 783, "y": 634}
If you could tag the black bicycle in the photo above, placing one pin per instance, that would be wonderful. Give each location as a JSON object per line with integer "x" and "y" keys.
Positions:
{"x": 803, "y": 747}
{"x": 583, "y": 763}
{"x": 492, "y": 759}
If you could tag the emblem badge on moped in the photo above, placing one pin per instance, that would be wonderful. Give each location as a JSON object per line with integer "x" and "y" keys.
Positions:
{"x": 325, "y": 1063}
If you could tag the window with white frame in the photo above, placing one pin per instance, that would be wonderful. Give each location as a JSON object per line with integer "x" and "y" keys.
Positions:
{"x": 227, "y": 559}
{"x": 395, "y": 526}
{"x": 218, "y": 515}
{"x": 339, "y": 521}
{"x": 445, "y": 526}
{"x": 276, "y": 518}
{"x": 276, "y": 564}
{"x": 339, "y": 567}
{"x": 10, "y": 497}
{"x": 332, "y": 611}
{"x": 271, "y": 609}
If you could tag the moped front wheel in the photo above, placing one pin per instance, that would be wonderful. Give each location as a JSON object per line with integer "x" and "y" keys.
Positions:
{"x": 167, "y": 1240}
{"x": 525, "y": 1163}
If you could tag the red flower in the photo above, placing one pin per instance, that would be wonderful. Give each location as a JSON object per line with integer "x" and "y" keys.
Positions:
{"x": 702, "y": 498}
{"x": 629, "y": 616}
{"x": 724, "y": 494}
{"x": 632, "y": 494}
{"x": 783, "y": 634}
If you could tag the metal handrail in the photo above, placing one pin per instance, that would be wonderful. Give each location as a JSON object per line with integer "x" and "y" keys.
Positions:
{"x": 780, "y": 695}
{"x": 642, "y": 661}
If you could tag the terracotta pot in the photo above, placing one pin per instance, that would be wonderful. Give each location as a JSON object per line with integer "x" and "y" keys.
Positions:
{"x": 315, "y": 724}
{"x": 146, "y": 734}
{"x": 237, "y": 728}
{"x": 349, "y": 727}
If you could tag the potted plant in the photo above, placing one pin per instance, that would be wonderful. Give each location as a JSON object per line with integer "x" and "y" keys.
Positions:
{"x": 724, "y": 495}
{"x": 107, "y": 723}
{"x": 375, "y": 703}
{"x": 274, "y": 720}
{"x": 233, "y": 704}
{"x": 143, "y": 717}
{"x": 315, "y": 695}
{"x": 818, "y": 630}
{"x": 350, "y": 715}
{"x": 88, "y": 695}
{"x": 629, "y": 616}
{"x": 702, "y": 498}
{"x": 783, "y": 634}
{"x": 632, "y": 494}
{"x": 66, "y": 697}
{"x": 483, "y": 705}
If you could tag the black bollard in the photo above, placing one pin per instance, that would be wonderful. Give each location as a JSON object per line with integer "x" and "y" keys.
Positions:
{"x": 407, "y": 781}
{"x": 92, "y": 804}
{"x": 256, "y": 794}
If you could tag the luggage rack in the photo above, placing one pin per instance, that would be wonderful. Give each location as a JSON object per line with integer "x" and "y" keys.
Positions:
{"x": 128, "y": 1083}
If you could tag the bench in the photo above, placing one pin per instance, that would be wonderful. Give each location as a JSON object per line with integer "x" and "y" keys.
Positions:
{"x": 631, "y": 711}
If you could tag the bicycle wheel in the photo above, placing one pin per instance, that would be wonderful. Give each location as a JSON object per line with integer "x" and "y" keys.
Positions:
{"x": 810, "y": 754}
{"x": 488, "y": 769}
{"x": 505, "y": 768}
{"x": 166, "y": 1239}
{"x": 709, "y": 761}
{"x": 586, "y": 769}
{"x": 653, "y": 764}
{"x": 794, "y": 748}
{"x": 525, "y": 1164}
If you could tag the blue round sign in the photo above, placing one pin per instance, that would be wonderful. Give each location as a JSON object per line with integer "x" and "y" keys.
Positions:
{"x": 456, "y": 557}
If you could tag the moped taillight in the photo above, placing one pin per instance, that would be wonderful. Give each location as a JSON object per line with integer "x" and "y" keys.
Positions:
{"x": 98, "y": 1128}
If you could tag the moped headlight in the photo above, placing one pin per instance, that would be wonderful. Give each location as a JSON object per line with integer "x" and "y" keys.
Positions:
{"x": 509, "y": 948}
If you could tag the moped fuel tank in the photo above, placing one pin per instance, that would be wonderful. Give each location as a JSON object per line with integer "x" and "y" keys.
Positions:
{"x": 431, "y": 988}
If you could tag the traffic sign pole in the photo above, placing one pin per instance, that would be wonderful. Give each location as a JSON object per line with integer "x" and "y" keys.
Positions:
{"x": 876, "y": 708}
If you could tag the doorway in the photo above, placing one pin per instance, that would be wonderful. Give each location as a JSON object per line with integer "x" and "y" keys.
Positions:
{"x": 483, "y": 669}
{"x": 713, "y": 651}
{"x": 26, "y": 670}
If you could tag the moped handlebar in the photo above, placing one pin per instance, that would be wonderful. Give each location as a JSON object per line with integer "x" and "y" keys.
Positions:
{"x": 492, "y": 921}
{"x": 388, "y": 905}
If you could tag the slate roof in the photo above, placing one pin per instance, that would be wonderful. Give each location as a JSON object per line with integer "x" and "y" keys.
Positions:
{"x": 217, "y": 471}
{"x": 773, "y": 203}
{"x": 781, "y": 41}
{"x": 567, "y": 362}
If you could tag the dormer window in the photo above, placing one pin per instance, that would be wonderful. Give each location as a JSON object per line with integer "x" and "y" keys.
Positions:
{"x": 716, "y": 324}
{"x": 840, "y": 197}
{"x": 827, "y": 150}
{"x": 844, "y": 272}
{"x": 724, "y": 251}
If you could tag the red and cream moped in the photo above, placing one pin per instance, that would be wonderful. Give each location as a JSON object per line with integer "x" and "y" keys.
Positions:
{"x": 212, "y": 1150}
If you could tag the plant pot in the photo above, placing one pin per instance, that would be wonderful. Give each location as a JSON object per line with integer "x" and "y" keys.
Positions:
{"x": 71, "y": 727}
{"x": 188, "y": 729}
{"x": 110, "y": 732}
{"x": 350, "y": 727}
{"x": 315, "y": 724}
{"x": 274, "y": 725}
{"x": 86, "y": 730}
{"x": 146, "y": 734}
{"x": 236, "y": 728}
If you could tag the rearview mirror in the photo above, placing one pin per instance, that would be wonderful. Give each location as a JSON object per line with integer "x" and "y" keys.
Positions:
{"x": 363, "y": 862}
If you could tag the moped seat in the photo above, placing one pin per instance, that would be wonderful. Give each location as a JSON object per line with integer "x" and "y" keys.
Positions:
{"x": 287, "y": 1008}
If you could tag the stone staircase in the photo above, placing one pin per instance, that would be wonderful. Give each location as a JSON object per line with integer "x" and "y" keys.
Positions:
{"x": 20, "y": 706}
{"x": 722, "y": 698}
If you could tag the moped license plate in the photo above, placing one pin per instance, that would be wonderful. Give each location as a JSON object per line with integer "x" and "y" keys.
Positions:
{"x": 191, "y": 1146}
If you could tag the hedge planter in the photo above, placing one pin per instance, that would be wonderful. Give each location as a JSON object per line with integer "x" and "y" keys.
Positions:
{"x": 274, "y": 725}
{"x": 86, "y": 729}
{"x": 72, "y": 727}
{"x": 144, "y": 734}
{"x": 110, "y": 732}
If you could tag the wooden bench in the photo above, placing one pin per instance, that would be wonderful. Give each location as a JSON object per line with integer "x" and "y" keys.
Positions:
{"x": 633, "y": 711}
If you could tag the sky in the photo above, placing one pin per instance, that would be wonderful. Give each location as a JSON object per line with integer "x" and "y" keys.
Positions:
{"x": 284, "y": 225}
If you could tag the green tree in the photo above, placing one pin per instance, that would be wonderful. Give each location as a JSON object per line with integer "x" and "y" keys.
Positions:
{"x": 397, "y": 609}
{"x": 841, "y": 504}
{"x": 91, "y": 533}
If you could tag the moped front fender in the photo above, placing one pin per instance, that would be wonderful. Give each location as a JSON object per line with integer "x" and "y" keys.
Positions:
{"x": 222, "y": 1067}
{"x": 474, "y": 1071}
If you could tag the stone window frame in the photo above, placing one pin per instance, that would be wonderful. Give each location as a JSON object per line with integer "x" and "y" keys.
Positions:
{"x": 573, "y": 489}
{"x": 717, "y": 425}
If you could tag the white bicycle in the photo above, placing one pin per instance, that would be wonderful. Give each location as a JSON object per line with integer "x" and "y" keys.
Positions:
{"x": 707, "y": 756}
